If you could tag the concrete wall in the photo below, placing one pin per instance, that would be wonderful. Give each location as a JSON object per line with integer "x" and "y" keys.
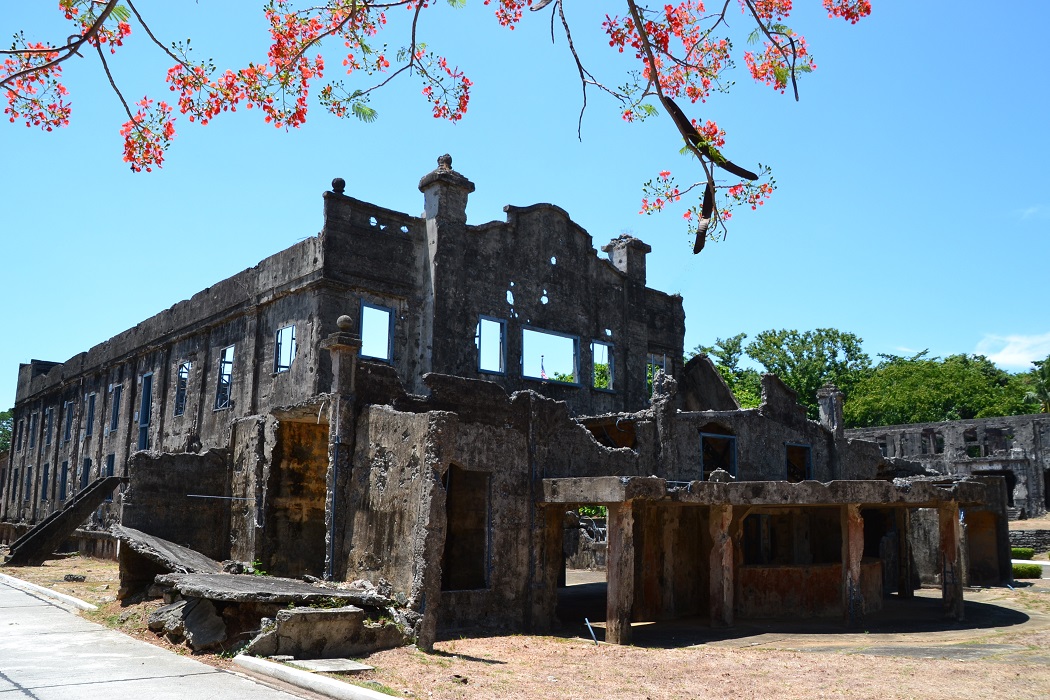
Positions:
{"x": 1039, "y": 540}
{"x": 1017, "y": 444}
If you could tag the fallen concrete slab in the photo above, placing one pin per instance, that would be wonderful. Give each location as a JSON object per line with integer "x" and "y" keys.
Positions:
{"x": 246, "y": 588}
{"x": 325, "y": 633}
{"x": 172, "y": 557}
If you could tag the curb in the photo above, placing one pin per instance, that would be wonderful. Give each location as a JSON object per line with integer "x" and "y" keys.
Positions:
{"x": 33, "y": 588}
{"x": 308, "y": 681}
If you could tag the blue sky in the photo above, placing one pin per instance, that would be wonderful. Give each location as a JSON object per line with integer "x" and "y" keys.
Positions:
{"x": 913, "y": 206}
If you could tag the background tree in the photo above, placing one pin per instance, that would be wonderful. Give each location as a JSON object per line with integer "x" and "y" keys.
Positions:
{"x": 1040, "y": 385}
{"x": 682, "y": 54}
{"x": 806, "y": 361}
{"x": 920, "y": 389}
{"x": 6, "y": 420}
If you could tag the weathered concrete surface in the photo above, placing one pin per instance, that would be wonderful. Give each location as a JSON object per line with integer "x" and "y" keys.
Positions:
{"x": 325, "y": 633}
{"x": 173, "y": 557}
{"x": 1014, "y": 445}
{"x": 245, "y": 588}
{"x": 195, "y": 621}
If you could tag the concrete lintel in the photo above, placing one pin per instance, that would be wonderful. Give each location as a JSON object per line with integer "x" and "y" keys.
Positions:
{"x": 614, "y": 489}
{"x": 603, "y": 489}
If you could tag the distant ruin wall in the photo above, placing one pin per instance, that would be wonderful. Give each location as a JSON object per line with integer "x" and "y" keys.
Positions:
{"x": 1039, "y": 540}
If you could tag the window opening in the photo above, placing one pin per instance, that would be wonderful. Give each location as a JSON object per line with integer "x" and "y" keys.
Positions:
{"x": 222, "y": 389}
{"x": 110, "y": 464}
{"x": 63, "y": 481}
{"x": 377, "y": 331}
{"x": 67, "y": 429}
{"x": 45, "y": 477}
{"x": 284, "y": 349}
{"x": 182, "y": 383}
{"x": 549, "y": 356}
{"x": 465, "y": 561}
{"x": 90, "y": 416}
{"x": 18, "y": 435}
{"x": 114, "y": 412}
{"x": 717, "y": 451}
{"x": 489, "y": 340}
{"x": 145, "y": 410}
{"x": 799, "y": 463}
{"x": 27, "y": 491}
{"x": 653, "y": 362}
{"x": 602, "y": 374}
{"x": 85, "y": 473}
{"x": 49, "y": 424}
{"x": 32, "y": 430}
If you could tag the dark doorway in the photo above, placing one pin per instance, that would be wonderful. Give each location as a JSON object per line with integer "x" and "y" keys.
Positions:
{"x": 465, "y": 561}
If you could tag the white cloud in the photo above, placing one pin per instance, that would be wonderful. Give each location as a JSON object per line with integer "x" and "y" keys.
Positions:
{"x": 1014, "y": 351}
{"x": 1037, "y": 211}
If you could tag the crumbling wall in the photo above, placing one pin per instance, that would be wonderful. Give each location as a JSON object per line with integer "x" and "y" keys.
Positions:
{"x": 183, "y": 498}
{"x": 294, "y": 530}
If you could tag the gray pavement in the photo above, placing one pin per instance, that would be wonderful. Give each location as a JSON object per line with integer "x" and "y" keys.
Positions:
{"x": 50, "y": 653}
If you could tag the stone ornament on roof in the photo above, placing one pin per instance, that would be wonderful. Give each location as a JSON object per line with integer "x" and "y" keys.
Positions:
{"x": 445, "y": 174}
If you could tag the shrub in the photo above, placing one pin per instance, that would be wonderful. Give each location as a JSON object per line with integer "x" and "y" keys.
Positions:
{"x": 1028, "y": 571}
{"x": 1021, "y": 552}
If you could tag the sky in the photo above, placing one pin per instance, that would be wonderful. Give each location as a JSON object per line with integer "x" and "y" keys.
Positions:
{"x": 912, "y": 209}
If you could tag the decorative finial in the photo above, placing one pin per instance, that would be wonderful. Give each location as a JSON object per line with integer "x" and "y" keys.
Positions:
{"x": 345, "y": 323}
{"x": 445, "y": 162}
{"x": 338, "y": 185}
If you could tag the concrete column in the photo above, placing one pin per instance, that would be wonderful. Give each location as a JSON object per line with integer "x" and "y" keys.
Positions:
{"x": 904, "y": 568}
{"x": 548, "y": 568}
{"x": 344, "y": 347}
{"x": 951, "y": 560}
{"x": 852, "y": 551}
{"x": 721, "y": 566}
{"x": 620, "y": 573}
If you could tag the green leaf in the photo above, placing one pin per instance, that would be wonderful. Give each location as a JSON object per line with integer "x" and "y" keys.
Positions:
{"x": 364, "y": 112}
{"x": 121, "y": 13}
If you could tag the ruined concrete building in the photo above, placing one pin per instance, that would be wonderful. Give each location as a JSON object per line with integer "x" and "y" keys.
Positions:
{"x": 419, "y": 401}
{"x": 1014, "y": 447}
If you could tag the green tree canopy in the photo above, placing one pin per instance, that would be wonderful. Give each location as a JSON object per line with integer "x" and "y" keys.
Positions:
{"x": 744, "y": 382}
{"x": 922, "y": 389}
{"x": 806, "y": 361}
{"x": 6, "y": 419}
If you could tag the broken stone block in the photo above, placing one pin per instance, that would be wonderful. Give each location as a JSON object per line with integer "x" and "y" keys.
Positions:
{"x": 194, "y": 621}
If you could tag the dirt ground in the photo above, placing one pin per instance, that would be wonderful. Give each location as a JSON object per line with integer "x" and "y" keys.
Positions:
{"x": 1002, "y": 648}
{"x": 1040, "y": 523}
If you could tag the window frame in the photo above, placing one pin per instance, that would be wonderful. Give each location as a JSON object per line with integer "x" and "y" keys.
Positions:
{"x": 719, "y": 436}
{"x": 278, "y": 366}
{"x": 502, "y": 323}
{"x": 89, "y": 419}
{"x": 809, "y": 461}
{"x": 389, "y": 359}
{"x": 67, "y": 428}
{"x": 611, "y": 389}
{"x": 117, "y": 390}
{"x": 145, "y": 407}
{"x": 224, "y": 401}
{"x": 182, "y": 387}
{"x": 575, "y": 356}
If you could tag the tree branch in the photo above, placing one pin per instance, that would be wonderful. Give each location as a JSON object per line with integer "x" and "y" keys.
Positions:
{"x": 70, "y": 49}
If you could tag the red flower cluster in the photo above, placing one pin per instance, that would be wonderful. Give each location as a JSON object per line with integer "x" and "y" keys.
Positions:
{"x": 36, "y": 96}
{"x": 147, "y": 135}
{"x": 850, "y": 10}
{"x": 508, "y": 12}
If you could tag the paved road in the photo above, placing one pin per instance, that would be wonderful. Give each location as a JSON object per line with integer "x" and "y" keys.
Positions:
{"x": 48, "y": 653}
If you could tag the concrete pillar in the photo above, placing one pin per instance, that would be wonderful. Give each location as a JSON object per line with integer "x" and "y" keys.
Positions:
{"x": 547, "y": 569}
{"x": 344, "y": 347}
{"x": 721, "y": 566}
{"x": 852, "y": 552}
{"x": 904, "y": 564}
{"x": 620, "y": 573}
{"x": 951, "y": 560}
